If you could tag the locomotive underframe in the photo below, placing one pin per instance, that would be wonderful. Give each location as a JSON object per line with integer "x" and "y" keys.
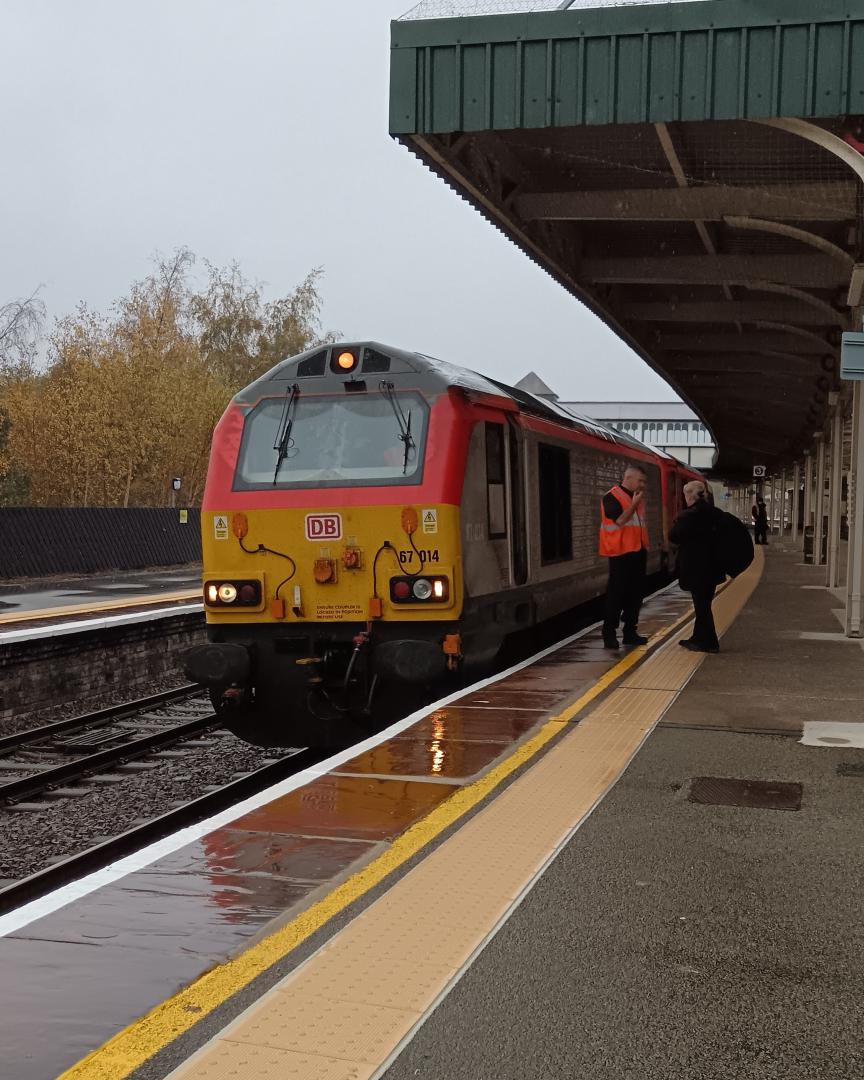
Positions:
{"x": 315, "y": 684}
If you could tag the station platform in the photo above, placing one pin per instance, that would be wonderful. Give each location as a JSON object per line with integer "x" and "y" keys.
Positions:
{"x": 41, "y": 604}
{"x": 526, "y": 881}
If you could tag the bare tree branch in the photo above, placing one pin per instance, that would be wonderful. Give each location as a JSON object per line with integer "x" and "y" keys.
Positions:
{"x": 21, "y": 323}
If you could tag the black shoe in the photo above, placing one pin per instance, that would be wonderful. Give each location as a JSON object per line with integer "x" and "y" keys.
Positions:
{"x": 694, "y": 646}
{"x": 685, "y": 643}
{"x": 610, "y": 642}
{"x": 635, "y": 639}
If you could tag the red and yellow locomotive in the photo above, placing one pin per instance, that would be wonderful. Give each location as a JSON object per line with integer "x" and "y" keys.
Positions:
{"x": 376, "y": 516}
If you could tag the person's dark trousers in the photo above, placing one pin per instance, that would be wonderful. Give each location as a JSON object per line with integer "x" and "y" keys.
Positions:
{"x": 624, "y": 592}
{"x": 704, "y": 632}
{"x": 761, "y": 536}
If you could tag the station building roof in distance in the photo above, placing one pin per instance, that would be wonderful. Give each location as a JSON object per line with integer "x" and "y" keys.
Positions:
{"x": 691, "y": 171}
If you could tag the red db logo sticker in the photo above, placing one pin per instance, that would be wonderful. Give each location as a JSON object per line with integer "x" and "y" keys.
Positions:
{"x": 323, "y": 526}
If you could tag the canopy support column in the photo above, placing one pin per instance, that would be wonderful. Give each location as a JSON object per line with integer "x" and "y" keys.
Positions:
{"x": 819, "y": 500}
{"x": 808, "y": 490}
{"x": 782, "y": 504}
{"x": 832, "y": 577}
{"x": 855, "y": 574}
{"x": 796, "y": 499}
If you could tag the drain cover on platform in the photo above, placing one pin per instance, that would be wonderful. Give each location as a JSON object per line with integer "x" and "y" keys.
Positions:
{"x": 760, "y": 794}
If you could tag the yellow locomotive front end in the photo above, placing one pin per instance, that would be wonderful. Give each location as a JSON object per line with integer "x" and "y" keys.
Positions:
{"x": 358, "y": 564}
{"x": 331, "y": 547}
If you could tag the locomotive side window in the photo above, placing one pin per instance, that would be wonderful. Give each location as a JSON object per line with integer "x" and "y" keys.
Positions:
{"x": 333, "y": 441}
{"x": 495, "y": 476}
{"x": 556, "y": 526}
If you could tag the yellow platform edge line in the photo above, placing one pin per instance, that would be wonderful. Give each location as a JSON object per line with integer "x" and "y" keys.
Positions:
{"x": 100, "y": 605}
{"x": 135, "y": 1044}
{"x": 235, "y": 1048}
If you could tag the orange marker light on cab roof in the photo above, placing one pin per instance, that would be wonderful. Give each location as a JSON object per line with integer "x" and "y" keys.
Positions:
{"x": 410, "y": 520}
{"x": 346, "y": 360}
{"x": 239, "y": 525}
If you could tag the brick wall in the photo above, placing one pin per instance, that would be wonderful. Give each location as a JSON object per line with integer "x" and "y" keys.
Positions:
{"x": 45, "y": 672}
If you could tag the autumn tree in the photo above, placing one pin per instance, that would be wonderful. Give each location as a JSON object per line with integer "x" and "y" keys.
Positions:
{"x": 21, "y": 323}
{"x": 241, "y": 335}
{"x": 130, "y": 398}
{"x": 14, "y": 485}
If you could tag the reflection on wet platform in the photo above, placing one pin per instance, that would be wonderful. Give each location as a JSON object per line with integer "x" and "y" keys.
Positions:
{"x": 438, "y": 756}
{"x": 366, "y": 808}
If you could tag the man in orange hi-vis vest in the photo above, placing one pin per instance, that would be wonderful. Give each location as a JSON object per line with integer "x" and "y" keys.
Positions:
{"x": 624, "y": 542}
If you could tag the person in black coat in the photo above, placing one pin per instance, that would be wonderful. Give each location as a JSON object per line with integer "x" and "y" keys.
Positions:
{"x": 695, "y": 531}
{"x": 760, "y": 522}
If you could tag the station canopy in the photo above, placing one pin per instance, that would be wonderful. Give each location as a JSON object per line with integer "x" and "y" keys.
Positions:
{"x": 689, "y": 170}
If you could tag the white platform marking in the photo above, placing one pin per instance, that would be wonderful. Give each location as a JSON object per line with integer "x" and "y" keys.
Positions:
{"x": 829, "y": 734}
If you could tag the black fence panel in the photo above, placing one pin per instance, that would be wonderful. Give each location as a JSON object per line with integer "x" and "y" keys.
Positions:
{"x": 40, "y": 541}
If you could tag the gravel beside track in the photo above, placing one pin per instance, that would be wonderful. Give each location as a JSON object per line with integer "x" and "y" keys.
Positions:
{"x": 31, "y": 839}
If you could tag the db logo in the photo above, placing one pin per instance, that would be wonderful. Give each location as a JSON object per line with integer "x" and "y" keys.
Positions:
{"x": 323, "y": 526}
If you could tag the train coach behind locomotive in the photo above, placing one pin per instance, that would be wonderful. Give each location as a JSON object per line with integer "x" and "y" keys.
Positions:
{"x": 374, "y": 516}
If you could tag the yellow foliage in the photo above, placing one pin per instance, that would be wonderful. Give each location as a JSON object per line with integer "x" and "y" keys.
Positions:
{"x": 128, "y": 402}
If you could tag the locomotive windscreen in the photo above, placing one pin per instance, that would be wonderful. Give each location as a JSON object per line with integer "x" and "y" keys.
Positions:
{"x": 333, "y": 441}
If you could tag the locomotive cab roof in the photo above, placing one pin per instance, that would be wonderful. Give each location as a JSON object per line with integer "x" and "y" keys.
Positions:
{"x": 328, "y": 366}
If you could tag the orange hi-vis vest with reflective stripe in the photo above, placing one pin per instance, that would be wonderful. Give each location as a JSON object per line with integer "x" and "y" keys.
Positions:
{"x": 618, "y": 539}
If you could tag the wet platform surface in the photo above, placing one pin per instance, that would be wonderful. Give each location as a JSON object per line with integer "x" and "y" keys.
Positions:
{"x": 176, "y": 918}
{"x": 31, "y": 603}
{"x": 674, "y": 938}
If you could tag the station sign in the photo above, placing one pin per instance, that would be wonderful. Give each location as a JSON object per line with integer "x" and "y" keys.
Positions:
{"x": 852, "y": 355}
{"x": 759, "y": 472}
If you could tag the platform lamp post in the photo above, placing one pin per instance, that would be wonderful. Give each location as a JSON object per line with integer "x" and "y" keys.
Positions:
{"x": 175, "y": 487}
{"x": 796, "y": 499}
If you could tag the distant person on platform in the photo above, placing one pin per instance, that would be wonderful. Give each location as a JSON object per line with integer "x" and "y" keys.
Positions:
{"x": 624, "y": 542}
{"x": 760, "y": 522}
{"x": 695, "y": 531}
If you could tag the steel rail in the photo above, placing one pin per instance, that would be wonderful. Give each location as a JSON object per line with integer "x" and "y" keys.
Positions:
{"x": 94, "y": 719}
{"x": 15, "y": 790}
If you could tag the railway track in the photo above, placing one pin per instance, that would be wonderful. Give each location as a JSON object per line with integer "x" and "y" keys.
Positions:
{"x": 100, "y": 855}
{"x": 41, "y": 761}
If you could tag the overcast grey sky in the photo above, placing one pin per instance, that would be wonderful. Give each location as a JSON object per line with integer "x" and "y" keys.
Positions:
{"x": 257, "y": 131}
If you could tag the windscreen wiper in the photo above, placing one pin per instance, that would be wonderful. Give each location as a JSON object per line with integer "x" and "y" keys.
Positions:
{"x": 283, "y": 442}
{"x": 409, "y": 442}
{"x": 405, "y": 436}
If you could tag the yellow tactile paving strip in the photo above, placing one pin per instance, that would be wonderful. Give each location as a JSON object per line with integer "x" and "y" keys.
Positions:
{"x": 150, "y": 600}
{"x": 343, "y": 1013}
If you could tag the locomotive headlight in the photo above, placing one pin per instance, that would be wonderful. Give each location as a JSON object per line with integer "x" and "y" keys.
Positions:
{"x": 235, "y": 594}
{"x": 422, "y": 589}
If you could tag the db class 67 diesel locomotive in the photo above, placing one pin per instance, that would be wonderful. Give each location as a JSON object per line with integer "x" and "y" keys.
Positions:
{"x": 374, "y": 517}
